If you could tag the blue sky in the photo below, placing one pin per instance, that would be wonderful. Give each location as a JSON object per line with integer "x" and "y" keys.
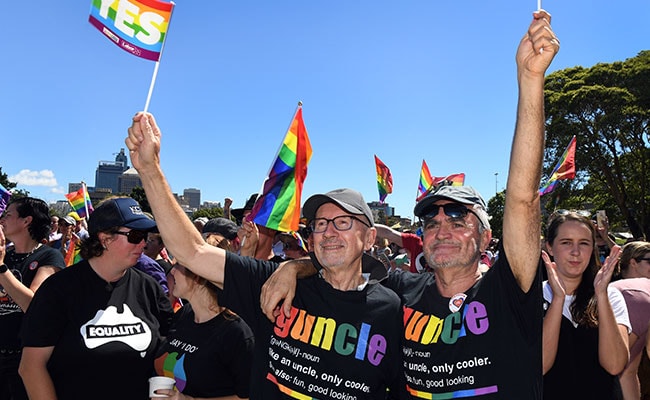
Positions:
{"x": 407, "y": 80}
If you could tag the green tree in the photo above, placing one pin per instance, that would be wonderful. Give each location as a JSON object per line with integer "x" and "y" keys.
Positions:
{"x": 209, "y": 213}
{"x": 607, "y": 107}
{"x": 495, "y": 210}
{"x": 7, "y": 184}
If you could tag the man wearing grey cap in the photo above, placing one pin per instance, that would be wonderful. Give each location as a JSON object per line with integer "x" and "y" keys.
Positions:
{"x": 467, "y": 334}
{"x": 339, "y": 339}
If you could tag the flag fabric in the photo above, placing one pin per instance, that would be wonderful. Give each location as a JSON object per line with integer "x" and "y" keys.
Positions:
{"x": 136, "y": 26}
{"x": 564, "y": 169}
{"x": 449, "y": 180}
{"x": 426, "y": 180}
{"x": 278, "y": 207}
{"x": 80, "y": 202}
{"x": 73, "y": 254}
{"x": 5, "y": 195}
{"x": 384, "y": 179}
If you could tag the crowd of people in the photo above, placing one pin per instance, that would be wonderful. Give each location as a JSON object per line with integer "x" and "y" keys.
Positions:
{"x": 343, "y": 308}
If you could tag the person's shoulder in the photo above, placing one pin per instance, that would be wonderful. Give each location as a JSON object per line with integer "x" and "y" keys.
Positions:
{"x": 51, "y": 255}
{"x": 636, "y": 284}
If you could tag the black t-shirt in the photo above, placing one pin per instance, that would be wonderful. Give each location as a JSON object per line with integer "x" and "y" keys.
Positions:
{"x": 104, "y": 336}
{"x": 11, "y": 316}
{"x": 489, "y": 347}
{"x": 336, "y": 344}
{"x": 209, "y": 359}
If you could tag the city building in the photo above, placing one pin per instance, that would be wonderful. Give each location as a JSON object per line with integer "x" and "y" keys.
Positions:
{"x": 193, "y": 197}
{"x": 108, "y": 172}
{"x": 128, "y": 180}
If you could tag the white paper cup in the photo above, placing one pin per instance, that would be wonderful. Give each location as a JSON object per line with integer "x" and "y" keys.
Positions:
{"x": 160, "y": 382}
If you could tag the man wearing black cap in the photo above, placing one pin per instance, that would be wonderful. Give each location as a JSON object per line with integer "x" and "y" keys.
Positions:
{"x": 339, "y": 339}
{"x": 467, "y": 334}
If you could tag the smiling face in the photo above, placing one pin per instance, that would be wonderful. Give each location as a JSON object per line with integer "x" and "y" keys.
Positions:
{"x": 452, "y": 241}
{"x": 572, "y": 248}
{"x": 341, "y": 249}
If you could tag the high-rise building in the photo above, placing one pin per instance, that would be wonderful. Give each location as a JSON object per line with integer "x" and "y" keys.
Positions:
{"x": 193, "y": 197}
{"x": 108, "y": 173}
{"x": 129, "y": 180}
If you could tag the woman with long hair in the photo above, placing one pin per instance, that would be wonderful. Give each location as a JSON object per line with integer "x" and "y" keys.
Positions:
{"x": 585, "y": 324}
{"x": 98, "y": 319}
{"x": 23, "y": 268}
{"x": 210, "y": 349}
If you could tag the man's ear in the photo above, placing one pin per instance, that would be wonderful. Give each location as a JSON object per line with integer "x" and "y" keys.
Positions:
{"x": 371, "y": 235}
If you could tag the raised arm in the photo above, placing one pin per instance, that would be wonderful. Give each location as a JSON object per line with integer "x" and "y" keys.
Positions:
{"x": 179, "y": 234}
{"x": 389, "y": 233}
{"x": 521, "y": 217}
{"x": 613, "y": 353}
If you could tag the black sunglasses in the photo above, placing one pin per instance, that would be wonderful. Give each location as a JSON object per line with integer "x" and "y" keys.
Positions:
{"x": 642, "y": 259}
{"x": 134, "y": 236}
{"x": 452, "y": 210}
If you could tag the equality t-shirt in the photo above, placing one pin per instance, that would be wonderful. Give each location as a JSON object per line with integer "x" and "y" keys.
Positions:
{"x": 104, "y": 335}
{"x": 336, "y": 344}
{"x": 487, "y": 345}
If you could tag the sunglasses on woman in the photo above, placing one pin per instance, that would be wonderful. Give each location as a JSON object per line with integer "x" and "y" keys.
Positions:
{"x": 134, "y": 236}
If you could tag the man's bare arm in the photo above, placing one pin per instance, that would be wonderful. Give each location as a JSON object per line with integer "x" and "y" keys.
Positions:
{"x": 521, "y": 219}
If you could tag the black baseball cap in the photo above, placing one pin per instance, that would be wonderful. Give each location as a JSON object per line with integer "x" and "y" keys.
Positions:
{"x": 120, "y": 211}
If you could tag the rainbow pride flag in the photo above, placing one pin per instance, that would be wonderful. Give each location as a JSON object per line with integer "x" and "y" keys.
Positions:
{"x": 449, "y": 180}
{"x": 384, "y": 179}
{"x": 136, "y": 26}
{"x": 73, "y": 254}
{"x": 80, "y": 202}
{"x": 278, "y": 207}
{"x": 5, "y": 195}
{"x": 564, "y": 169}
{"x": 426, "y": 180}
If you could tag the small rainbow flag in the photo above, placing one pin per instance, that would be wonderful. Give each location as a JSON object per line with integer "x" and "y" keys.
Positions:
{"x": 564, "y": 169}
{"x": 384, "y": 179}
{"x": 449, "y": 180}
{"x": 73, "y": 254}
{"x": 80, "y": 202}
{"x": 136, "y": 26}
{"x": 278, "y": 207}
{"x": 426, "y": 180}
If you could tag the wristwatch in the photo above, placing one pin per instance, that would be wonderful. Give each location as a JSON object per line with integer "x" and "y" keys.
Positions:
{"x": 3, "y": 268}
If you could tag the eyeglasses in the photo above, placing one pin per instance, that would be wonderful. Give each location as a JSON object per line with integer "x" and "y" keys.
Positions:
{"x": 341, "y": 223}
{"x": 134, "y": 236}
{"x": 643, "y": 259}
{"x": 452, "y": 210}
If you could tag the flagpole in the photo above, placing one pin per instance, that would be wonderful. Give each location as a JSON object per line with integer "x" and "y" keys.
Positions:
{"x": 155, "y": 69}
{"x": 83, "y": 186}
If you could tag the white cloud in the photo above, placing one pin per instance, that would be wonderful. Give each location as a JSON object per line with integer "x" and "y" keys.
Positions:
{"x": 57, "y": 190}
{"x": 34, "y": 178}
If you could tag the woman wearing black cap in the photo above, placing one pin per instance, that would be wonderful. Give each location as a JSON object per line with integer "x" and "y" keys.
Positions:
{"x": 99, "y": 318}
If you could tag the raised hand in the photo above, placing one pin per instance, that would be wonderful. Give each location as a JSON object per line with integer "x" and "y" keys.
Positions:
{"x": 554, "y": 279}
{"x": 604, "y": 275}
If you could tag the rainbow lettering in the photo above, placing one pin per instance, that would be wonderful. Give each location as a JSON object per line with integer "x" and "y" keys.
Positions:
{"x": 323, "y": 332}
{"x": 427, "y": 329}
